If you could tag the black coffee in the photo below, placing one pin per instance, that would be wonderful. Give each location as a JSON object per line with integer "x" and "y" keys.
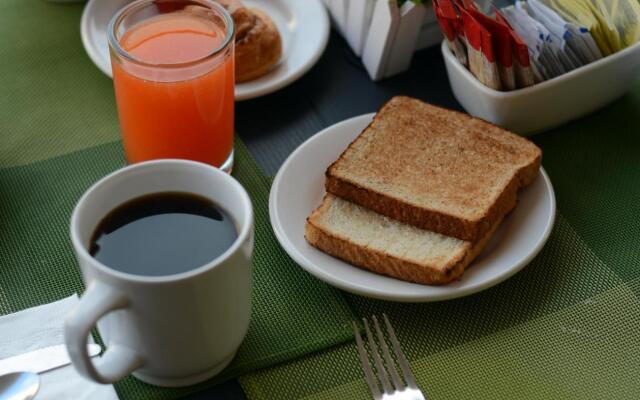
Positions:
{"x": 163, "y": 234}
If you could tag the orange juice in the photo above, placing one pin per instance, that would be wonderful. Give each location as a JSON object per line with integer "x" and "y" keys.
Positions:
{"x": 175, "y": 89}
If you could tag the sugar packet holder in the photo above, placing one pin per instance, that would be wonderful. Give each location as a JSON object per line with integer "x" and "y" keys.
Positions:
{"x": 383, "y": 33}
{"x": 488, "y": 47}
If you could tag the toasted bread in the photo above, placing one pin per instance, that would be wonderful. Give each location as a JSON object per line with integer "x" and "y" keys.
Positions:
{"x": 385, "y": 246}
{"x": 435, "y": 169}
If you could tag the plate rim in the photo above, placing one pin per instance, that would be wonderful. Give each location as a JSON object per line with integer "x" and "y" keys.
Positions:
{"x": 362, "y": 290}
{"x": 268, "y": 89}
{"x": 96, "y": 59}
{"x": 89, "y": 48}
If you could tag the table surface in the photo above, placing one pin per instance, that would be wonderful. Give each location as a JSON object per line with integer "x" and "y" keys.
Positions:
{"x": 568, "y": 326}
{"x": 337, "y": 88}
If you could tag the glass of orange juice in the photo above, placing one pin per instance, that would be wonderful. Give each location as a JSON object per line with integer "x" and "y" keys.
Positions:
{"x": 173, "y": 73}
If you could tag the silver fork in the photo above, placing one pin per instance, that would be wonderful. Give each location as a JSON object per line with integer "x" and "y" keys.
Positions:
{"x": 399, "y": 390}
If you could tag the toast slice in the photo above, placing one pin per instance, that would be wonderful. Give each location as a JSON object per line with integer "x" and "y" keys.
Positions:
{"x": 436, "y": 169}
{"x": 385, "y": 246}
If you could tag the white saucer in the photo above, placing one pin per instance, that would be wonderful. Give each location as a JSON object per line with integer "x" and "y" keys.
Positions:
{"x": 299, "y": 187}
{"x": 303, "y": 26}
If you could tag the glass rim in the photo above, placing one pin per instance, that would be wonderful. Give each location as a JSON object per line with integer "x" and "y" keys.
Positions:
{"x": 139, "y": 4}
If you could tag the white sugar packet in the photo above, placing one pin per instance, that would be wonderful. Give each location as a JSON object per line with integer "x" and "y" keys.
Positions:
{"x": 537, "y": 38}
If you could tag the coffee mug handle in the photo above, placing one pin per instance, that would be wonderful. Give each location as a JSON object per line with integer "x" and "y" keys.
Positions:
{"x": 118, "y": 361}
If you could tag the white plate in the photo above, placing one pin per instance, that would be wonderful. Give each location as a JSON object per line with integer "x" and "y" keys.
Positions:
{"x": 299, "y": 187}
{"x": 303, "y": 26}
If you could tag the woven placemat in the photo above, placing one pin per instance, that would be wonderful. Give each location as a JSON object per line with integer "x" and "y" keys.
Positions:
{"x": 293, "y": 314}
{"x": 565, "y": 275}
{"x": 594, "y": 164}
{"x": 53, "y": 100}
{"x": 60, "y": 132}
{"x": 585, "y": 351}
{"x": 566, "y": 327}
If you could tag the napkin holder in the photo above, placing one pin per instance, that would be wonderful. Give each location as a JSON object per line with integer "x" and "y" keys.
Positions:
{"x": 384, "y": 35}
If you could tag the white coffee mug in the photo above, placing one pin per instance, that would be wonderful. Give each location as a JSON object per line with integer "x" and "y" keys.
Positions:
{"x": 172, "y": 330}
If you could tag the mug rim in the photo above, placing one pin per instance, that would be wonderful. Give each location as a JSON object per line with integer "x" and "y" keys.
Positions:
{"x": 243, "y": 234}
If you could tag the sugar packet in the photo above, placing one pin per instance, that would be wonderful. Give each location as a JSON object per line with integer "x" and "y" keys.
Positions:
{"x": 482, "y": 60}
{"x": 526, "y": 74}
{"x": 543, "y": 54}
{"x": 501, "y": 43}
{"x": 556, "y": 45}
{"x": 577, "y": 38}
{"x": 624, "y": 15}
{"x": 451, "y": 24}
{"x": 557, "y": 27}
{"x": 583, "y": 13}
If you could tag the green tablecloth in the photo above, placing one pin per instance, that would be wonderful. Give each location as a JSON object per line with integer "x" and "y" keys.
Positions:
{"x": 568, "y": 326}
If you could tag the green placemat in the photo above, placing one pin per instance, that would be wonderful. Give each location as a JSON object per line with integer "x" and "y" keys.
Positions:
{"x": 53, "y": 100}
{"x": 566, "y": 327}
{"x": 59, "y": 135}
{"x": 566, "y": 273}
{"x": 293, "y": 314}
{"x": 594, "y": 165}
{"x": 584, "y": 351}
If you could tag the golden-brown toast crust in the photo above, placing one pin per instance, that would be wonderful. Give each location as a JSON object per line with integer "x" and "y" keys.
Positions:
{"x": 423, "y": 217}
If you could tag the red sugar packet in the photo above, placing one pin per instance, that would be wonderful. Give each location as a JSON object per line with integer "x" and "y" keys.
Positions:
{"x": 451, "y": 26}
{"x": 467, "y": 4}
{"x": 501, "y": 41}
{"x": 522, "y": 64}
{"x": 482, "y": 60}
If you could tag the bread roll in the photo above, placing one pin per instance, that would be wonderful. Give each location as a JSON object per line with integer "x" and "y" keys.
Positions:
{"x": 258, "y": 45}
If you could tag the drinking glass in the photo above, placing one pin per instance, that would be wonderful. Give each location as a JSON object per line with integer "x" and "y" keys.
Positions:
{"x": 173, "y": 74}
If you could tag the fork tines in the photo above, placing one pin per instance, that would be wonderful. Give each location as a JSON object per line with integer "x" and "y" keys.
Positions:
{"x": 385, "y": 371}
